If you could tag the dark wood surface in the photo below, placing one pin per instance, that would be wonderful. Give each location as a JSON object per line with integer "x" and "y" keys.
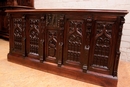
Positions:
{"x": 29, "y": 3}
{"x": 90, "y": 77}
{"x": 9, "y": 5}
{"x": 80, "y": 43}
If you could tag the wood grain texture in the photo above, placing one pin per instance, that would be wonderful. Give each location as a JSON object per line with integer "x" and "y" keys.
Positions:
{"x": 83, "y": 44}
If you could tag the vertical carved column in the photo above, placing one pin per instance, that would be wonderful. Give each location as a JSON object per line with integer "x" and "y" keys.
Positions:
{"x": 87, "y": 42}
{"x": 24, "y": 35}
{"x": 122, "y": 21}
{"x": 42, "y": 39}
{"x": 61, "y": 34}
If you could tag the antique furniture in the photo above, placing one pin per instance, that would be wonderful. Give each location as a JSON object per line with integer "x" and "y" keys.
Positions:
{"x": 11, "y": 5}
{"x": 83, "y": 44}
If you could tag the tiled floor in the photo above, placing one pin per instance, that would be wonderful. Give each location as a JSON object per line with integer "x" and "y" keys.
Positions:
{"x": 15, "y": 75}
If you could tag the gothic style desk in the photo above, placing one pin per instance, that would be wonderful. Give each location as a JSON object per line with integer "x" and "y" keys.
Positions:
{"x": 83, "y": 44}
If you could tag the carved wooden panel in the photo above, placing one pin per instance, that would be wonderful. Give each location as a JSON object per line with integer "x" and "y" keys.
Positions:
{"x": 103, "y": 46}
{"x": 17, "y": 23}
{"x": 55, "y": 32}
{"x": 33, "y": 36}
{"x": 74, "y": 42}
{"x": 54, "y": 20}
{"x": 51, "y": 20}
{"x": 18, "y": 37}
{"x": 52, "y": 41}
{"x": 36, "y": 36}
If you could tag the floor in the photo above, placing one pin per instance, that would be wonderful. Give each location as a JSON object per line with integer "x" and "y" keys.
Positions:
{"x": 15, "y": 75}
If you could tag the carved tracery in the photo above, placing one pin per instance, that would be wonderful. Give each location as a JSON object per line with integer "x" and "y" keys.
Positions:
{"x": 103, "y": 44}
{"x": 17, "y": 33}
{"x": 74, "y": 40}
{"x": 51, "y": 20}
{"x": 52, "y": 43}
{"x": 34, "y": 36}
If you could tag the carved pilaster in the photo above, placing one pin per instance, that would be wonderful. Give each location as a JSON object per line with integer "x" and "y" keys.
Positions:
{"x": 42, "y": 39}
{"x": 87, "y": 42}
{"x": 122, "y": 21}
{"x": 24, "y": 35}
{"x": 60, "y": 25}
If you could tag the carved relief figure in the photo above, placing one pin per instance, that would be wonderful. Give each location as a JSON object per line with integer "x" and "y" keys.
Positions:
{"x": 52, "y": 42}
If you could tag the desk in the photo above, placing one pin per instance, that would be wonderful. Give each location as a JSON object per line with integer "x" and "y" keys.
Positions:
{"x": 81, "y": 43}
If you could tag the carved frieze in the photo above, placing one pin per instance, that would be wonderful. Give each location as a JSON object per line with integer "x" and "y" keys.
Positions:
{"x": 55, "y": 20}
{"x": 51, "y": 20}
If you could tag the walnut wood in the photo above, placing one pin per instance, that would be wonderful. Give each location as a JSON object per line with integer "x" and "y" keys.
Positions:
{"x": 80, "y": 43}
{"x": 90, "y": 77}
{"x": 10, "y": 5}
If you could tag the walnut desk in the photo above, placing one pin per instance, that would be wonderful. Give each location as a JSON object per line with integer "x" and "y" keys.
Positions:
{"x": 79, "y": 43}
